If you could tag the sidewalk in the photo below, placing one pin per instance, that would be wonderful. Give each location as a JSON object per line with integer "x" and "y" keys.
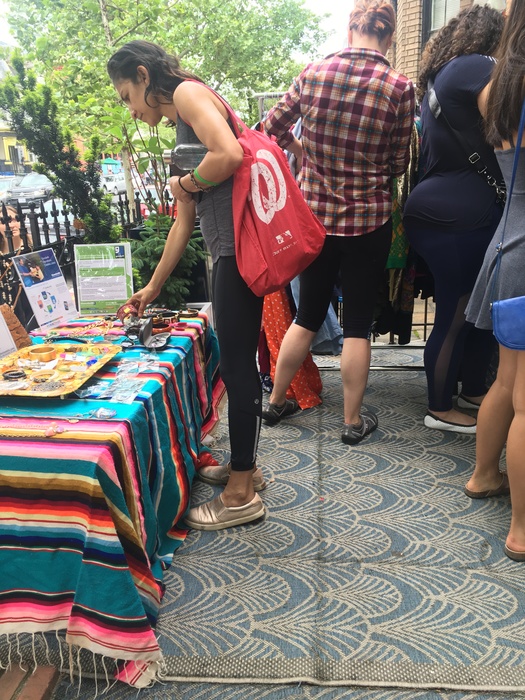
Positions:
{"x": 19, "y": 684}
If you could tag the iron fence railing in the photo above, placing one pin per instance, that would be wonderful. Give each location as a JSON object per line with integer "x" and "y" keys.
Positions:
{"x": 54, "y": 225}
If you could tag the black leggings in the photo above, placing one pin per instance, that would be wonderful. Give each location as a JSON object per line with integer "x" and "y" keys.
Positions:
{"x": 361, "y": 261}
{"x": 238, "y": 314}
{"x": 455, "y": 349}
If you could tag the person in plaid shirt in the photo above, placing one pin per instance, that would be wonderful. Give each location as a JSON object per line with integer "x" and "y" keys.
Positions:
{"x": 357, "y": 117}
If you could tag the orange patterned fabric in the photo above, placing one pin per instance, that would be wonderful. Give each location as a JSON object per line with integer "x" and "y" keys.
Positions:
{"x": 306, "y": 386}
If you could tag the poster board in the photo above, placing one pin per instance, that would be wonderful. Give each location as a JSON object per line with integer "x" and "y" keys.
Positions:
{"x": 45, "y": 287}
{"x": 104, "y": 277}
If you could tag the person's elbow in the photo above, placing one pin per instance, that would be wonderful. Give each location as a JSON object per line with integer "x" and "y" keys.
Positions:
{"x": 236, "y": 156}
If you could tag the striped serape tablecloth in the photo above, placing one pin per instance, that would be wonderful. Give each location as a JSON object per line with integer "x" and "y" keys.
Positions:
{"x": 91, "y": 508}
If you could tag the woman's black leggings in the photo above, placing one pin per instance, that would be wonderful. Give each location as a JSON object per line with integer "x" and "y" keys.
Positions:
{"x": 455, "y": 349}
{"x": 238, "y": 314}
{"x": 360, "y": 260}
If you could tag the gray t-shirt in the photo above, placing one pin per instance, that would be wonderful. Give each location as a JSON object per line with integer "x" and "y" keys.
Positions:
{"x": 214, "y": 208}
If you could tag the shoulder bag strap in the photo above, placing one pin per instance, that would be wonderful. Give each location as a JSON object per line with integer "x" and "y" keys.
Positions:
{"x": 238, "y": 125}
{"x": 499, "y": 247}
{"x": 464, "y": 140}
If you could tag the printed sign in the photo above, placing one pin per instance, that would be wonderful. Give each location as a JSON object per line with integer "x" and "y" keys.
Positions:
{"x": 47, "y": 291}
{"x": 104, "y": 277}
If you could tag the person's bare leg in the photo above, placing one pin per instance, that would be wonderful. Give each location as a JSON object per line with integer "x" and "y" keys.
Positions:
{"x": 516, "y": 459}
{"x": 239, "y": 489}
{"x": 294, "y": 348}
{"x": 355, "y": 365}
{"x": 494, "y": 419}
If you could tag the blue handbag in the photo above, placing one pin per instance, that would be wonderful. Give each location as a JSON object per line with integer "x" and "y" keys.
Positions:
{"x": 508, "y": 315}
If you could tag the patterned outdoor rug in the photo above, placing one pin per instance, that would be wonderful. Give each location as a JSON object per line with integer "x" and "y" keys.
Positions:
{"x": 373, "y": 577}
{"x": 372, "y": 568}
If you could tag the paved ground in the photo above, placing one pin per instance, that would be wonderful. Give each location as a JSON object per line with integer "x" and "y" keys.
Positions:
{"x": 20, "y": 684}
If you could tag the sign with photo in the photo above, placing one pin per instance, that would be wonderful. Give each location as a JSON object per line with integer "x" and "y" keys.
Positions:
{"x": 46, "y": 289}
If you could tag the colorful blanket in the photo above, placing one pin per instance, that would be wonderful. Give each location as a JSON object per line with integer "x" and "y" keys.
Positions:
{"x": 91, "y": 509}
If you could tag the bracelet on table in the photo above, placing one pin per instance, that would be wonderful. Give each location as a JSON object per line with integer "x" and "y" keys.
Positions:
{"x": 182, "y": 186}
{"x": 202, "y": 180}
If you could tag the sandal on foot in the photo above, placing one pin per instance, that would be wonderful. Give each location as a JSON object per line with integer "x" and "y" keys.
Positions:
{"x": 218, "y": 475}
{"x": 513, "y": 554}
{"x": 214, "y": 515}
{"x": 352, "y": 434}
{"x": 502, "y": 490}
{"x": 463, "y": 402}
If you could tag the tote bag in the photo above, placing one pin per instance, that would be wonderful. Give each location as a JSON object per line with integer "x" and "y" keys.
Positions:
{"x": 276, "y": 233}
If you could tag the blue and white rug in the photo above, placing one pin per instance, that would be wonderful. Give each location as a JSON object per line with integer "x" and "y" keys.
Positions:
{"x": 373, "y": 577}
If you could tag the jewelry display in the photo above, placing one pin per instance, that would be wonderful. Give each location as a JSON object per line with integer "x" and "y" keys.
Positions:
{"x": 70, "y": 367}
{"x": 42, "y": 354}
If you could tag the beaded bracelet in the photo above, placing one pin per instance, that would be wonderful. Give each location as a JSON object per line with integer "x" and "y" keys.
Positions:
{"x": 197, "y": 184}
{"x": 182, "y": 186}
{"x": 204, "y": 182}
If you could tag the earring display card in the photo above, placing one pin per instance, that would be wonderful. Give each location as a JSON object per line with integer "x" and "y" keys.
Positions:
{"x": 52, "y": 370}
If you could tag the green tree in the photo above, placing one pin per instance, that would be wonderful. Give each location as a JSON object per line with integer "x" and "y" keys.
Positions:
{"x": 32, "y": 112}
{"x": 237, "y": 46}
{"x": 146, "y": 255}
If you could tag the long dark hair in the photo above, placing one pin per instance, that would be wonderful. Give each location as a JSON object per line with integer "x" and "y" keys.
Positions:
{"x": 476, "y": 29}
{"x": 507, "y": 89}
{"x": 164, "y": 69}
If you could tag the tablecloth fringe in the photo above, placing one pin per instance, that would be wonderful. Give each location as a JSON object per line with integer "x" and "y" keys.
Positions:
{"x": 21, "y": 649}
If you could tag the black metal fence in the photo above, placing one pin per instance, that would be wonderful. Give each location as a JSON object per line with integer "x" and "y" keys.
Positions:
{"x": 53, "y": 225}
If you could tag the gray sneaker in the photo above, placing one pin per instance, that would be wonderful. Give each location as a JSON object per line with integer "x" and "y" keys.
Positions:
{"x": 273, "y": 413}
{"x": 352, "y": 434}
{"x": 219, "y": 475}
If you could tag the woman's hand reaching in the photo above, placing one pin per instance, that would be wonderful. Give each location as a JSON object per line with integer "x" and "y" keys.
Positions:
{"x": 143, "y": 297}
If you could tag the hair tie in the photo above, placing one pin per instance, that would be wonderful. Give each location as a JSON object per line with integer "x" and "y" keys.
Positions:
{"x": 182, "y": 186}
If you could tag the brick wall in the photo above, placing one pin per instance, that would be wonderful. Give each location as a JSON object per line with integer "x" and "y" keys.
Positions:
{"x": 408, "y": 37}
{"x": 408, "y": 46}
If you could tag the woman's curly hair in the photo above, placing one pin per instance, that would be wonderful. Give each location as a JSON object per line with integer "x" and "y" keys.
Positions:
{"x": 476, "y": 29}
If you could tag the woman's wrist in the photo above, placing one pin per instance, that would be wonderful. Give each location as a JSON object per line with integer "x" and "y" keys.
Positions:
{"x": 185, "y": 185}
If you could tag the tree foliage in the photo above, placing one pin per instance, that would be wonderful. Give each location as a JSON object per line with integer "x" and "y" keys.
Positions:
{"x": 146, "y": 255}
{"x": 32, "y": 112}
{"x": 237, "y": 46}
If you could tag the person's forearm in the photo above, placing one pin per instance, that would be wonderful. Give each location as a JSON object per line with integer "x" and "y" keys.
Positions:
{"x": 176, "y": 242}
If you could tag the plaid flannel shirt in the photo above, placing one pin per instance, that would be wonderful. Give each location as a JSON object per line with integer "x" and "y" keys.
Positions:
{"x": 357, "y": 116}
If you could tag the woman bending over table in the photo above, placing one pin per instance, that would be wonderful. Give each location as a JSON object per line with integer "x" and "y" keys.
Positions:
{"x": 153, "y": 85}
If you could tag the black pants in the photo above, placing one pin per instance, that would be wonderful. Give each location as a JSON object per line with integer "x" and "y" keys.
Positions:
{"x": 361, "y": 261}
{"x": 455, "y": 349}
{"x": 238, "y": 315}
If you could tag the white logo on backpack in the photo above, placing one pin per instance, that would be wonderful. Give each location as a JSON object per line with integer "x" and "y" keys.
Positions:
{"x": 266, "y": 206}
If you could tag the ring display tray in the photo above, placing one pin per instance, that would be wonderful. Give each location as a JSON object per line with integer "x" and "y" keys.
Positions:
{"x": 51, "y": 370}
